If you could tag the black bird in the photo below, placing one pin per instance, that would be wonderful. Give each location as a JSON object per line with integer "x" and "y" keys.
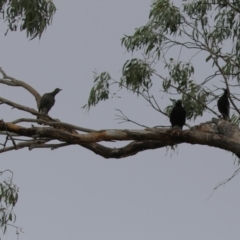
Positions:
{"x": 223, "y": 105}
{"x": 178, "y": 115}
{"x": 47, "y": 101}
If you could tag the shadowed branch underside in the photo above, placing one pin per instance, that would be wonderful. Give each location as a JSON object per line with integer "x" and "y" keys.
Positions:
{"x": 218, "y": 133}
{"x": 55, "y": 134}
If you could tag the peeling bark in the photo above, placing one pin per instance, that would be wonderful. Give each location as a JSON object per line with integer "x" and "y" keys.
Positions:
{"x": 218, "y": 133}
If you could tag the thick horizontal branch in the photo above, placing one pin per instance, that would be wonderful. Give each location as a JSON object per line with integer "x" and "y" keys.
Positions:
{"x": 223, "y": 135}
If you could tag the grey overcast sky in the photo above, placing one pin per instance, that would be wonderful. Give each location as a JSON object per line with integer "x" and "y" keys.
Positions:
{"x": 71, "y": 193}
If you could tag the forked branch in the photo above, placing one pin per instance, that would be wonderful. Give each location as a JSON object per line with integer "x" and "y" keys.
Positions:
{"x": 226, "y": 138}
{"x": 216, "y": 133}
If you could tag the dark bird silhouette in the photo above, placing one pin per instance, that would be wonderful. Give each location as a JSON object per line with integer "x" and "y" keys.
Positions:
{"x": 47, "y": 101}
{"x": 178, "y": 115}
{"x": 223, "y": 105}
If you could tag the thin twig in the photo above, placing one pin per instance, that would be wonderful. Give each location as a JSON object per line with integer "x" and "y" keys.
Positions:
{"x": 18, "y": 83}
{"x": 126, "y": 119}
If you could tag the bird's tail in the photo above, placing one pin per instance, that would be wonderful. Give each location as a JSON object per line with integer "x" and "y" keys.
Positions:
{"x": 176, "y": 127}
{"x": 227, "y": 118}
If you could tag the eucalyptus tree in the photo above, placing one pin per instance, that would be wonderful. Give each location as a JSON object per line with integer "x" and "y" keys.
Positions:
{"x": 204, "y": 34}
{"x": 177, "y": 42}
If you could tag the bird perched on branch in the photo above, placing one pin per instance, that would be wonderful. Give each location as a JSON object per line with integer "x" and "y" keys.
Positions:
{"x": 178, "y": 115}
{"x": 47, "y": 101}
{"x": 223, "y": 105}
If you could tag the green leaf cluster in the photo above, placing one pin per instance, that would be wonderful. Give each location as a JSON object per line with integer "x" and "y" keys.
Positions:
{"x": 165, "y": 15}
{"x": 100, "y": 90}
{"x": 33, "y": 16}
{"x": 136, "y": 75}
{"x": 204, "y": 28}
{"x": 8, "y": 199}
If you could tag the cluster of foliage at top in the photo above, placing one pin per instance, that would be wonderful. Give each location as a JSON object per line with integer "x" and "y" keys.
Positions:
{"x": 173, "y": 35}
{"x": 31, "y": 15}
{"x": 208, "y": 27}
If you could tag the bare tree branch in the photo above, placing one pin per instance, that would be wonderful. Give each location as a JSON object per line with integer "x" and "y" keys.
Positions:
{"x": 221, "y": 134}
{"x": 17, "y": 83}
{"x": 129, "y": 150}
{"x": 52, "y": 146}
{"x": 124, "y": 118}
{"x": 20, "y": 107}
{"x": 54, "y": 124}
{"x": 22, "y": 145}
{"x": 227, "y": 137}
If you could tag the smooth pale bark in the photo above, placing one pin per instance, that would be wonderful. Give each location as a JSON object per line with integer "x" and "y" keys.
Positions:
{"x": 218, "y": 133}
